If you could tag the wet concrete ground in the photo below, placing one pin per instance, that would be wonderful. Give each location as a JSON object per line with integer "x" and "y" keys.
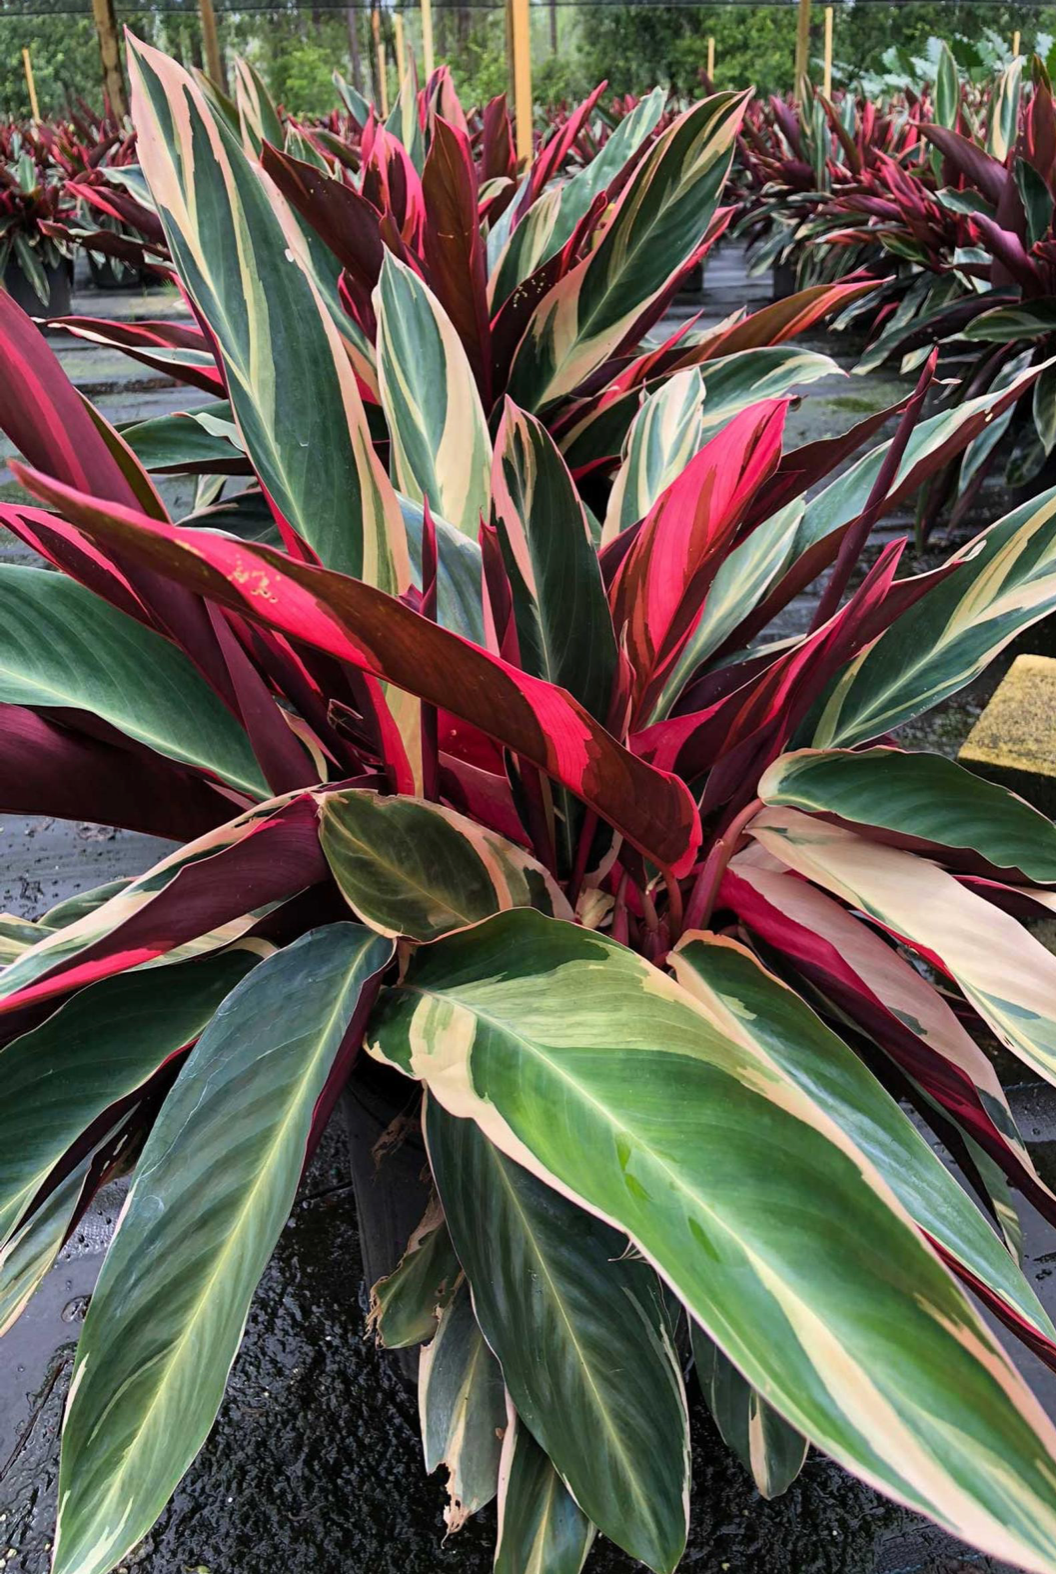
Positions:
{"x": 314, "y": 1464}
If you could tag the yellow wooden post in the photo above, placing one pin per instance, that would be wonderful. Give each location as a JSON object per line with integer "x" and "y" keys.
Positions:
{"x": 1015, "y": 43}
{"x": 27, "y": 66}
{"x": 379, "y": 55}
{"x": 828, "y": 51}
{"x": 401, "y": 53}
{"x": 214, "y": 60}
{"x": 521, "y": 74}
{"x": 427, "y": 36}
{"x": 802, "y": 68}
{"x": 110, "y": 55}
{"x": 711, "y": 60}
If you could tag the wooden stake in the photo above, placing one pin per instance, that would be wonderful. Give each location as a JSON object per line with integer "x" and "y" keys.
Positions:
{"x": 379, "y": 56}
{"x": 214, "y": 60}
{"x": 427, "y": 36}
{"x": 1015, "y": 43}
{"x": 802, "y": 67}
{"x": 828, "y": 51}
{"x": 711, "y": 60}
{"x": 27, "y": 66}
{"x": 521, "y": 74}
{"x": 401, "y": 53}
{"x": 110, "y": 56}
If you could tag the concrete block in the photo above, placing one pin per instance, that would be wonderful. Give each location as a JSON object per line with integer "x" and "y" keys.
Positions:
{"x": 1014, "y": 741}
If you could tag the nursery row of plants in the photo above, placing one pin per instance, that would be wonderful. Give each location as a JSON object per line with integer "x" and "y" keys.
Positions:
{"x": 464, "y": 703}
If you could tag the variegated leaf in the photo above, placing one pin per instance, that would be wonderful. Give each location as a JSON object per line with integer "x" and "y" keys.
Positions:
{"x": 765, "y": 1444}
{"x": 171, "y": 1301}
{"x": 62, "y": 646}
{"x": 1004, "y": 971}
{"x": 808, "y": 1272}
{"x": 658, "y": 222}
{"x": 256, "y": 112}
{"x": 414, "y": 868}
{"x": 541, "y": 1527}
{"x": 440, "y": 444}
{"x": 95, "y": 1051}
{"x": 552, "y": 217}
{"x": 406, "y": 1305}
{"x": 243, "y": 259}
{"x": 462, "y": 1409}
{"x": 1004, "y": 581}
{"x": 580, "y": 1332}
{"x": 923, "y": 796}
{"x": 756, "y": 1010}
{"x": 664, "y": 435}
{"x": 564, "y": 630}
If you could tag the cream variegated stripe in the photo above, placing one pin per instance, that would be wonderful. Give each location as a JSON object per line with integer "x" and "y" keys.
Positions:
{"x": 657, "y": 224}
{"x": 809, "y": 1274}
{"x": 766, "y": 1445}
{"x": 1006, "y": 973}
{"x": 462, "y": 1409}
{"x": 246, "y": 262}
{"x": 664, "y": 436}
{"x": 440, "y": 444}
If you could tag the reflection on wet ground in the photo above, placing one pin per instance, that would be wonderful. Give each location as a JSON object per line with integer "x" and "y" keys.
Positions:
{"x": 314, "y": 1465}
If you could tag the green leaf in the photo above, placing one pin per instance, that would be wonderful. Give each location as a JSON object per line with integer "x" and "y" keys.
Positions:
{"x": 461, "y": 1402}
{"x": 947, "y": 90}
{"x": 1006, "y": 324}
{"x": 405, "y": 1306}
{"x": 247, "y": 266}
{"x": 195, "y": 442}
{"x": 1004, "y": 581}
{"x": 608, "y": 1081}
{"x": 35, "y": 1245}
{"x": 540, "y": 1525}
{"x": 96, "y": 1050}
{"x": 581, "y": 1335}
{"x": 766, "y": 1445}
{"x": 440, "y": 446}
{"x": 414, "y": 868}
{"x": 564, "y": 627}
{"x": 211, "y": 1193}
{"x": 659, "y": 221}
{"x": 920, "y": 795}
{"x": 61, "y": 646}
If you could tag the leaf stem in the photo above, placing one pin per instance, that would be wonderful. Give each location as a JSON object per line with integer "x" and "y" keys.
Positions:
{"x": 706, "y": 889}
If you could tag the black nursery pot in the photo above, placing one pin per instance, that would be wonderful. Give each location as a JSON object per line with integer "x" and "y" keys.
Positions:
{"x": 108, "y": 273}
{"x": 783, "y": 281}
{"x": 60, "y": 288}
{"x": 390, "y": 1184}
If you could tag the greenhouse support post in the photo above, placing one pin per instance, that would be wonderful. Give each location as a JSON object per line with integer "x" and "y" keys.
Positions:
{"x": 427, "y": 36}
{"x": 214, "y": 60}
{"x": 27, "y": 66}
{"x": 520, "y": 46}
{"x": 802, "y": 69}
{"x": 828, "y": 52}
{"x": 110, "y": 56}
{"x": 401, "y": 53}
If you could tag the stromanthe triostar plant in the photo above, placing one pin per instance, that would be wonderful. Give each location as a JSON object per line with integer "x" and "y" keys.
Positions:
{"x": 485, "y": 763}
